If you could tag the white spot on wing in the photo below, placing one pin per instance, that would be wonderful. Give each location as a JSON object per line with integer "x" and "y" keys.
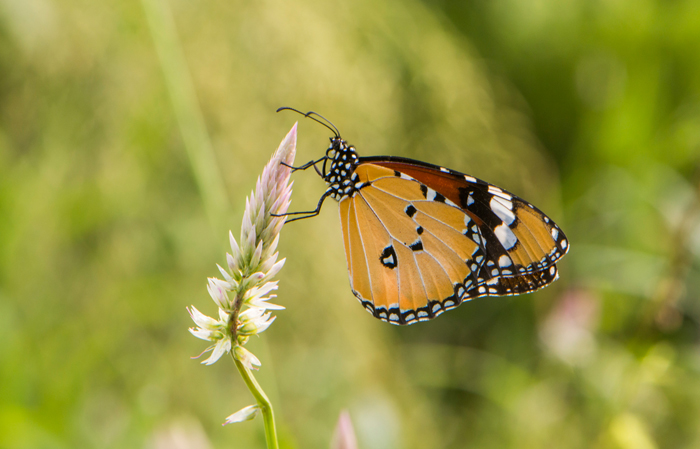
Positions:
{"x": 448, "y": 202}
{"x": 502, "y": 210}
{"x": 555, "y": 233}
{"x": 470, "y": 178}
{"x": 507, "y": 203}
{"x": 504, "y": 261}
{"x": 493, "y": 190}
{"x": 505, "y": 236}
{"x": 503, "y": 195}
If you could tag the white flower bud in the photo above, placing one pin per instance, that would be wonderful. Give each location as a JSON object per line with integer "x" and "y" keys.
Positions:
{"x": 244, "y": 414}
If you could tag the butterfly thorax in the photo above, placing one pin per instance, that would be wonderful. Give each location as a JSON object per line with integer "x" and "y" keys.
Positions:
{"x": 341, "y": 177}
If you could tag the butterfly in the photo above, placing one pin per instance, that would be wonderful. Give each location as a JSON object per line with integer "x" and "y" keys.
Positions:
{"x": 420, "y": 239}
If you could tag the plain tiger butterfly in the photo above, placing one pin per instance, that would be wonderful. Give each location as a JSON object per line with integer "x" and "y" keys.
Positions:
{"x": 421, "y": 239}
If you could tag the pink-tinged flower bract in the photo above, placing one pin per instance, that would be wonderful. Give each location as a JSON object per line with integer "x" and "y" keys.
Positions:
{"x": 242, "y": 296}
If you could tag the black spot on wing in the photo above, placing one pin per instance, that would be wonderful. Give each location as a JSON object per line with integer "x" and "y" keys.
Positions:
{"x": 424, "y": 190}
{"x": 388, "y": 257}
{"x": 410, "y": 210}
{"x": 416, "y": 246}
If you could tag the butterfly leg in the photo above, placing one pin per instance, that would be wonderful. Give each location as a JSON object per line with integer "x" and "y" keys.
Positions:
{"x": 308, "y": 213}
{"x": 305, "y": 166}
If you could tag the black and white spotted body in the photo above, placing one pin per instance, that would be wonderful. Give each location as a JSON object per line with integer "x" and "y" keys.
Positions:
{"x": 341, "y": 178}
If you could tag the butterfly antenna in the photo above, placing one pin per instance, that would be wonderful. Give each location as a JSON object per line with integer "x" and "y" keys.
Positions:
{"x": 308, "y": 115}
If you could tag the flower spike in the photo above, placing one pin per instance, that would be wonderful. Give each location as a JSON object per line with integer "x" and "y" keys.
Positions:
{"x": 242, "y": 296}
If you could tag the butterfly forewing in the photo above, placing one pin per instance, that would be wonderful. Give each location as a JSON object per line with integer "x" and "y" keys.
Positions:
{"x": 519, "y": 238}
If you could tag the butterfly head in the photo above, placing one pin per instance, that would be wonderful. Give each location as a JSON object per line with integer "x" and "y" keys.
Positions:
{"x": 341, "y": 177}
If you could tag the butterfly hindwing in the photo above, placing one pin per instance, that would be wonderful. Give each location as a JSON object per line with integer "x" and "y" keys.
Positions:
{"x": 413, "y": 251}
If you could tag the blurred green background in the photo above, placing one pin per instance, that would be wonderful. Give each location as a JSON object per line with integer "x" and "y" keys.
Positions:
{"x": 131, "y": 132}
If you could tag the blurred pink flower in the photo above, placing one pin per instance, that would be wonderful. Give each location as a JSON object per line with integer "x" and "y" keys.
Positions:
{"x": 344, "y": 434}
{"x": 568, "y": 330}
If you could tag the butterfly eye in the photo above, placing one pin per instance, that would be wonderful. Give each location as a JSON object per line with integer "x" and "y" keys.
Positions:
{"x": 336, "y": 144}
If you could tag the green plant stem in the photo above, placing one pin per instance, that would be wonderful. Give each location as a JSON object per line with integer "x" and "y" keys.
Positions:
{"x": 263, "y": 402}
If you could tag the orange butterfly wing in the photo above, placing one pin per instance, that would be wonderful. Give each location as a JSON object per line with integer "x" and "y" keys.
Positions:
{"x": 421, "y": 239}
